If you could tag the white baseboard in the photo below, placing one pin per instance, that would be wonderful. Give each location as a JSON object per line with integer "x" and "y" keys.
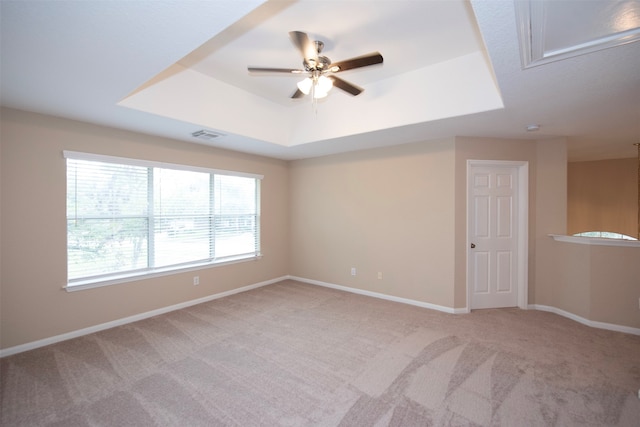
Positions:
{"x": 119, "y": 322}
{"x": 382, "y": 296}
{"x": 587, "y": 322}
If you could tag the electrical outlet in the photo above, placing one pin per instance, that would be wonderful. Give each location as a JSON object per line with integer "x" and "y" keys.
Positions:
{"x": 196, "y": 280}
{"x": 379, "y": 275}
{"x": 353, "y": 271}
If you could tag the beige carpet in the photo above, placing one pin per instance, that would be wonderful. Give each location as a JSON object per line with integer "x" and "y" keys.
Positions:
{"x": 293, "y": 354}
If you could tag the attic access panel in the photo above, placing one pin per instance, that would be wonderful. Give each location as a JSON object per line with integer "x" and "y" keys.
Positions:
{"x": 551, "y": 30}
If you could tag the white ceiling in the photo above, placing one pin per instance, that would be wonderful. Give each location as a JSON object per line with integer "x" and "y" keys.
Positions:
{"x": 451, "y": 68}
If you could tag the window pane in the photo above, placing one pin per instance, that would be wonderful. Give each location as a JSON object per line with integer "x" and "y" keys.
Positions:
{"x": 235, "y": 215}
{"x": 235, "y": 235}
{"x": 234, "y": 195}
{"x": 105, "y": 190}
{"x": 605, "y": 235}
{"x": 103, "y": 246}
{"x": 106, "y": 218}
{"x": 182, "y": 221}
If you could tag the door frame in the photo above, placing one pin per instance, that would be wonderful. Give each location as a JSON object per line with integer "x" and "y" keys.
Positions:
{"x": 522, "y": 226}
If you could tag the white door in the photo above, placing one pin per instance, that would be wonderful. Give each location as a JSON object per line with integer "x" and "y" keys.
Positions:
{"x": 493, "y": 235}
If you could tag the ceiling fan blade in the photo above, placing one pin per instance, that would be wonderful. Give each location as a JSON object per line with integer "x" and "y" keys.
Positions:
{"x": 358, "y": 62}
{"x": 306, "y": 47}
{"x": 297, "y": 94}
{"x": 346, "y": 86}
{"x": 274, "y": 70}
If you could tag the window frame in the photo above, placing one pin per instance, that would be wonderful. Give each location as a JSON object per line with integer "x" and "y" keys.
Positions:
{"x": 613, "y": 235}
{"x": 150, "y": 272}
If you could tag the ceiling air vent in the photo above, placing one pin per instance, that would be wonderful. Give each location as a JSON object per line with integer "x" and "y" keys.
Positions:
{"x": 207, "y": 135}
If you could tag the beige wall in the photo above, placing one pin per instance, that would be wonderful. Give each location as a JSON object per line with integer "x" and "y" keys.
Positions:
{"x": 345, "y": 213}
{"x": 397, "y": 210}
{"x": 603, "y": 196}
{"x": 615, "y": 285}
{"x": 568, "y": 286}
{"x": 550, "y": 216}
{"x": 386, "y": 210}
{"x": 34, "y": 306}
{"x": 598, "y": 283}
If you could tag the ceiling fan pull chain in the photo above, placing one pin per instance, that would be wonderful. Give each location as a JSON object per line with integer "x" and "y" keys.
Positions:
{"x": 314, "y": 100}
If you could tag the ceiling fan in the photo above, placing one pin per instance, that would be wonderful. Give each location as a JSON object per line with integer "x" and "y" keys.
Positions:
{"x": 320, "y": 69}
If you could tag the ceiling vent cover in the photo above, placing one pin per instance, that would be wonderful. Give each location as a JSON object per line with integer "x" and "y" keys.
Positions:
{"x": 207, "y": 135}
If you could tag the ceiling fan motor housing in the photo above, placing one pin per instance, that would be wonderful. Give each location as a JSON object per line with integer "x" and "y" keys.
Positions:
{"x": 320, "y": 63}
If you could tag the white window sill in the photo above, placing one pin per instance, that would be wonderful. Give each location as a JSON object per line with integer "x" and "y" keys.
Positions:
{"x": 599, "y": 241}
{"x": 125, "y": 278}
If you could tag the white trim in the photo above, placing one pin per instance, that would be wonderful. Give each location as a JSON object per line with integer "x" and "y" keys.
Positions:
{"x": 77, "y": 155}
{"x": 119, "y": 322}
{"x": 523, "y": 225}
{"x": 532, "y": 28}
{"x": 586, "y": 322}
{"x": 382, "y": 296}
{"x": 117, "y": 279}
{"x": 597, "y": 241}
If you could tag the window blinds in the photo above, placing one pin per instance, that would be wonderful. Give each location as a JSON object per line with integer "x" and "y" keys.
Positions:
{"x": 131, "y": 217}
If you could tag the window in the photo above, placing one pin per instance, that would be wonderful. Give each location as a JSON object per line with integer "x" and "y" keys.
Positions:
{"x": 127, "y": 218}
{"x": 605, "y": 235}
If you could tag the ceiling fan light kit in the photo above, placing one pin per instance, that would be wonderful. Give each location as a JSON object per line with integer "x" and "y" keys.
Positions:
{"x": 320, "y": 68}
{"x": 318, "y": 86}
{"x": 305, "y": 85}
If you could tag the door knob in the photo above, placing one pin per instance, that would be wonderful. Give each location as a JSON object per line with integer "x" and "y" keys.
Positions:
{"x": 473, "y": 245}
